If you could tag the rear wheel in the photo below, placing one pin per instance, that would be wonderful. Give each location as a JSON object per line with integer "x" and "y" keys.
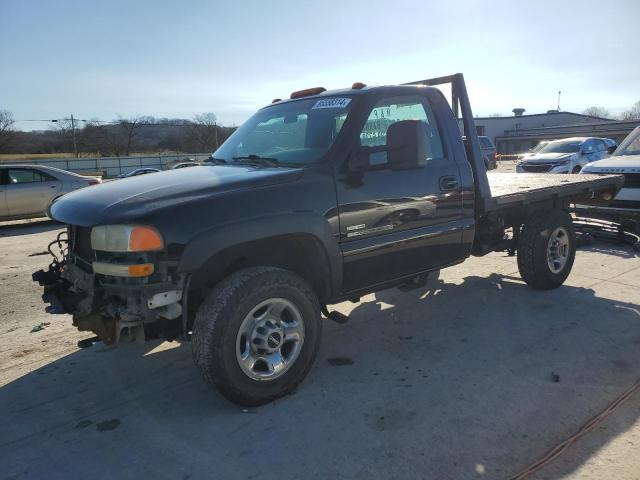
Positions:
{"x": 257, "y": 334}
{"x": 546, "y": 249}
{"x": 576, "y": 169}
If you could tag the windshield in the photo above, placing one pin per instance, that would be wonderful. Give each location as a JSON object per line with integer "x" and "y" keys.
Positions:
{"x": 538, "y": 147}
{"x": 296, "y": 133}
{"x": 630, "y": 145}
{"x": 560, "y": 147}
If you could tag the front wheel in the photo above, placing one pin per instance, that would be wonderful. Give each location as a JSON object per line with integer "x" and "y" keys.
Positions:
{"x": 257, "y": 334}
{"x": 546, "y": 249}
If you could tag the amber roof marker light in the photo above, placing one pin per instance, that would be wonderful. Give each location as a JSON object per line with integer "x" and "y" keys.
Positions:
{"x": 307, "y": 92}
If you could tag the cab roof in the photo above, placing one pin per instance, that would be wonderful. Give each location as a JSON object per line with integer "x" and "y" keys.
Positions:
{"x": 366, "y": 90}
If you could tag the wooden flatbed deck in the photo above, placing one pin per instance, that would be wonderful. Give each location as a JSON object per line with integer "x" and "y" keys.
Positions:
{"x": 523, "y": 188}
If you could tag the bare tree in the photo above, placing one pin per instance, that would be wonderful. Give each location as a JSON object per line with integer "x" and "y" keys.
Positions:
{"x": 64, "y": 130}
{"x": 7, "y": 134}
{"x": 94, "y": 138}
{"x": 204, "y": 132}
{"x": 633, "y": 113}
{"x": 130, "y": 129}
{"x": 597, "y": 112}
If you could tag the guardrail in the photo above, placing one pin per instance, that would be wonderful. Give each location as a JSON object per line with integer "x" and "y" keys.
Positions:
{"x": 112, "y": 166}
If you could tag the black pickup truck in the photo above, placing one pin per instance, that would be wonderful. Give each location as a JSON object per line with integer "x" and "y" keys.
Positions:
{"x": 316, "y": 199}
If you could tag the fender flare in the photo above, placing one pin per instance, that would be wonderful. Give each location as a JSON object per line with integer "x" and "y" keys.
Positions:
{"x": 205, "y": 245}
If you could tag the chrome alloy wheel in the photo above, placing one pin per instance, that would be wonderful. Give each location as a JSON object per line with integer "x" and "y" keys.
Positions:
{"x": 558, "y": 249}
{"x": 270, "y": 339}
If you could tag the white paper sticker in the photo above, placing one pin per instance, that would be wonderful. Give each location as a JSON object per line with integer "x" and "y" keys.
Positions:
{"x": 332, "y": 103}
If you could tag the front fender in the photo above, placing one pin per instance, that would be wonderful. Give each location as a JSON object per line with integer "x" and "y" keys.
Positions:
{"x": 210, "y": 242}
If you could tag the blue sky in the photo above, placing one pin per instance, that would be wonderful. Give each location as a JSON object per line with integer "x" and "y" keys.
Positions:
{"x": 100, "y": 59}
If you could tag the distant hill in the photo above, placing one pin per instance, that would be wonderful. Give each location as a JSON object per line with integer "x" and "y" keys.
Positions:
{"x": 146, "y": 134}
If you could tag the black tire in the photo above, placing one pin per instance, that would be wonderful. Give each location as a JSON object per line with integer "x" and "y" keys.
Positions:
{"x": 219, "y": 319}
{"x": 576, "y": 169}
{"x": 533, "y": 248}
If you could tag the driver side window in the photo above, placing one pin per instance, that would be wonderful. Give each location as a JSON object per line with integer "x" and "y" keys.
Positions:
{"x": 391, "y": 110}
{"x": 588, "y": 147}
{"x": 26, "y": 175}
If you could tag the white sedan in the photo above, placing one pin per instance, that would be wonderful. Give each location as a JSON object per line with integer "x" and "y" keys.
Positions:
{"x": 26, "y": 191}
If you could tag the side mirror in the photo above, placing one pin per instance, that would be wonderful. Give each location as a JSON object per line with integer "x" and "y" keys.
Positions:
{"x": 407, "y": 144}
{"x": 611, "y": 149}
{"x": 406, "y": 148}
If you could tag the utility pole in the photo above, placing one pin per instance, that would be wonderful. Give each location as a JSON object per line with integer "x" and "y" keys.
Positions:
{"x": 559, "y": 92}
{"x": 73, "y": 128}
{"x": 215, "y": 125}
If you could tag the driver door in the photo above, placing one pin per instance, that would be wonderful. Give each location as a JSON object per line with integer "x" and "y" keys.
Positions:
{"x": 396, "y": 222}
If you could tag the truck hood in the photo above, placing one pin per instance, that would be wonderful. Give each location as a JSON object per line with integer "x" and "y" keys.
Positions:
{"x": 545, "y": 157}
{"x": 615, "y": 164}
{"x": 129, "y": 198}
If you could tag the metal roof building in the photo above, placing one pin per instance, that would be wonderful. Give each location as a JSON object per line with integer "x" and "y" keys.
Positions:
{"x": 509, "y": 133}
{"x": 521, "y": 140}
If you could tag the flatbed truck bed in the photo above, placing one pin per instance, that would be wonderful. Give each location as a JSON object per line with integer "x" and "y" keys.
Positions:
{"x": 510, "y": 189}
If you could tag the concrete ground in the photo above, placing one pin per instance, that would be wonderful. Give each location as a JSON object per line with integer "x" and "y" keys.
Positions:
{"x": 455, "y": 383}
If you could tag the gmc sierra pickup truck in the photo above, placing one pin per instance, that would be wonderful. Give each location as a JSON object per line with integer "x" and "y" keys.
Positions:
{"x": 316, "y": 199}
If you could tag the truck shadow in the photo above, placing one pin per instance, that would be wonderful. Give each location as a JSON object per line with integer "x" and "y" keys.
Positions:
{"x": 583, "y": 345}
{"x": 476, "y": 378}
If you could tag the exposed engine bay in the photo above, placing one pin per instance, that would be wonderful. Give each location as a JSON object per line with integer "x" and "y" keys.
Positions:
{"x": 108, "y": 304}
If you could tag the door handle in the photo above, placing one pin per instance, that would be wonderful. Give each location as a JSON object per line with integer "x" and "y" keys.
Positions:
{"x": 53, "y": 186}
{"x": 448, "y": 183}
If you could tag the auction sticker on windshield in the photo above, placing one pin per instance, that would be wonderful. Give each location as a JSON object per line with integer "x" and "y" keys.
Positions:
{"x": 332, "y": 103}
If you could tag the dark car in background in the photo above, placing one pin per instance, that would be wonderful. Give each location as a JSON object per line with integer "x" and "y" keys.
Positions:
{"x": 138, "y": 171}
{"x": 489, "y": 152}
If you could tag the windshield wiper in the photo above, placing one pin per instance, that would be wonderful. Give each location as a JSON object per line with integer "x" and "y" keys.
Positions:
{"x": 258, "y": 160}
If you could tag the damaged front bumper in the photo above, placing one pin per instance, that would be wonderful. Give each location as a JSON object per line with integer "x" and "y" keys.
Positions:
{"x": 113, "y": 307}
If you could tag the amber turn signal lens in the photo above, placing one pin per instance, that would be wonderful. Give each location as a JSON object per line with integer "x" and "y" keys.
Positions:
{"x": 145, "y": 239}
{"x": 141, "y": 270}
{"x": 119, "y": 270}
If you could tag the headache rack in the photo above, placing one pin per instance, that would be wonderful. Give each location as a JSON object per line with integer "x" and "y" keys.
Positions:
{"x": 461, "y": 106}
{"x": 499, "y": 191}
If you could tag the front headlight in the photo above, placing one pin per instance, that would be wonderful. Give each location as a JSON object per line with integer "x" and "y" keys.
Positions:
{"x": 126, "y": 238}
{"x": 562, "y": 162}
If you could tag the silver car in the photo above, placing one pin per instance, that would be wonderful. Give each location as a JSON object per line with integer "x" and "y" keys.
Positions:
{"x": 27, "y": 190}
{"x": 569, "y": 155}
